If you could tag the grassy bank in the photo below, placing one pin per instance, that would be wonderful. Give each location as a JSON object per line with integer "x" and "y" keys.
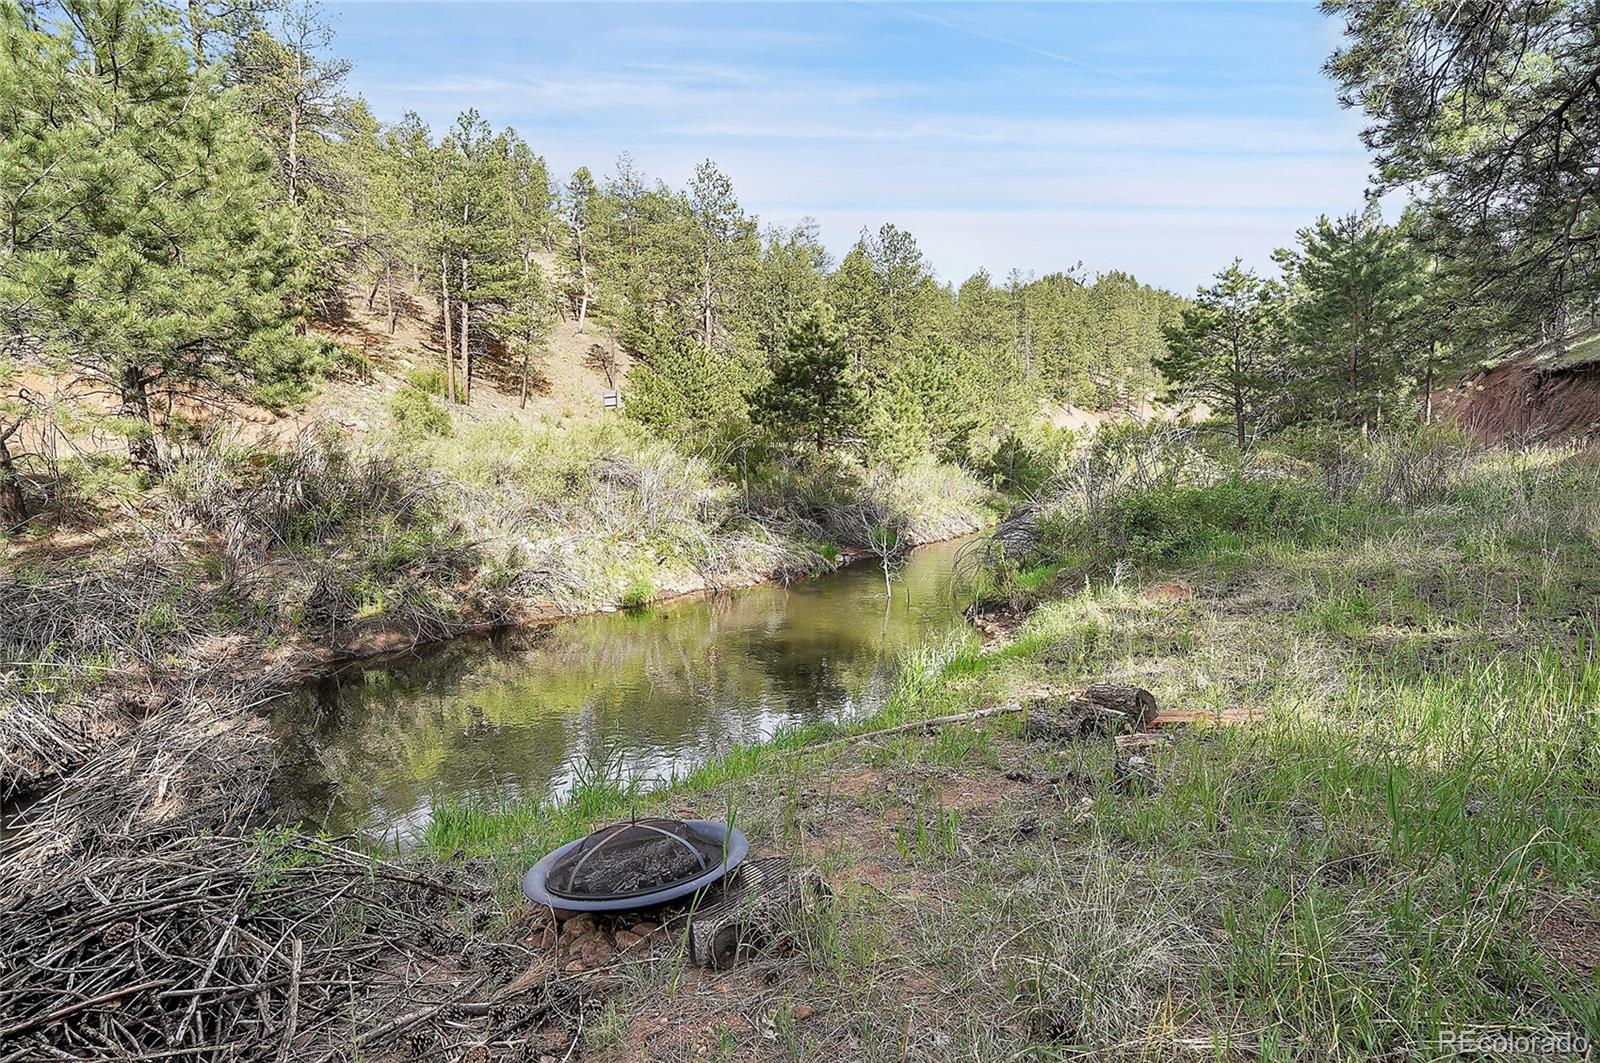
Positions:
{"x": 1399, "y": 844}
{"x": 253, "y": 567}
{"x": 1380, "y": 834}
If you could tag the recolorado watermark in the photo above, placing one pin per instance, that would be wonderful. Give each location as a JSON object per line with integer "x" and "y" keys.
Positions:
{"x": 1521, "y": 1044}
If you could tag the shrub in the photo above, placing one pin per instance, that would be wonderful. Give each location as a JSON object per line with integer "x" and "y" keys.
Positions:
{"x": 639, "y": 592}
{"x": 427, "y": 381}
{"x": 1169, "y": 523}
{"x": 1025, "y": 462}
{"x": 415, "y": 415}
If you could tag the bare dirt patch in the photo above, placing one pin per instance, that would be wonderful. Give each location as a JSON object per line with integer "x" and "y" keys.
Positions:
{"x": 1567, "y": 929}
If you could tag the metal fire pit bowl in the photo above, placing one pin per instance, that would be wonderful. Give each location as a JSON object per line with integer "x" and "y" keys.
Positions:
{"x": 705, "y": 836}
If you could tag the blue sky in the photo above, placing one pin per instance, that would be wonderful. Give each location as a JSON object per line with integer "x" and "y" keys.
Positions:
{"x": 1163, "y": 139}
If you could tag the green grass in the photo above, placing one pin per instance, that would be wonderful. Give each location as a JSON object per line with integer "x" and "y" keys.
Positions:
{"x": 1352, "y": 876}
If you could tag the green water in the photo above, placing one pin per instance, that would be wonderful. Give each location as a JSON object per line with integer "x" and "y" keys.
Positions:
{"x": 661, "y": 689}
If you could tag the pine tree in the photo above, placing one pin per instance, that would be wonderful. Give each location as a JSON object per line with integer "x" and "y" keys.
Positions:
{"x": 479, "y": 243}
{"x": 1219, "y": 352}
{"x": 793, "y": 264}
{"x": 729, "y": 256}
{"x": 165, "y": 266}
{"x": 1353, "y": 288}
{"x": 295, "y": 88}
{"x": 14, "y": 413}
{"x": 578, "y": 209}
{"x": 528, "y": 314}
{"x": 681, "y": 387}
{"x": 380, "y": 217}
{"x": 217, "y": 29}
{"x": 1490, "y": 114}
{"x": 813, "y": 393}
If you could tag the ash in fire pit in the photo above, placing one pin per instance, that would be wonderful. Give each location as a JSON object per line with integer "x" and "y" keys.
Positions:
{"x": 635, "y": 865}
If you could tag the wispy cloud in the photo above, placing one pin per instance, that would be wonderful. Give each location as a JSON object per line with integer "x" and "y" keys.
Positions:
{"x": 911, "y": 12}
{"x": 1164, "y": 139}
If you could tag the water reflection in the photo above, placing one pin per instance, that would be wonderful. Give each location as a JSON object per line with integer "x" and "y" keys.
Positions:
{"x": 666, "y": 688}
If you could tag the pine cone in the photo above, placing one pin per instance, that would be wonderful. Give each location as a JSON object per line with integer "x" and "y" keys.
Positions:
{"x": 117, "y": 934}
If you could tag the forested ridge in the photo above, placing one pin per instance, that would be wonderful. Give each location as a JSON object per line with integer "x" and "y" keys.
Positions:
{"x": 187, "y": 190}
{"x": 190, "y": 188}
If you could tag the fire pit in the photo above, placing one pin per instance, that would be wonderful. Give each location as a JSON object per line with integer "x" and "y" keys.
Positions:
{"x": 637, "y": 864}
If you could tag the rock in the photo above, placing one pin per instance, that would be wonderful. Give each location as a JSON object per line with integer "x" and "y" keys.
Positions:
{"x": 579, "y": 925}
{"x": 597, "y": 952}
{"x": 573, "y": 966}
{"x": 644, "y": 930}
{"x": 626, "y": 939}
{"x": 802, "y": 1012}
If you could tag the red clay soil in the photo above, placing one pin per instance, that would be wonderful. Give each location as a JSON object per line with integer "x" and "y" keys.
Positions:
{"x": 1518, "y": 401}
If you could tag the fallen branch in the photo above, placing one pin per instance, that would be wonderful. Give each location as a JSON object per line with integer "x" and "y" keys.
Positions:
{"x": 916, "y": 725}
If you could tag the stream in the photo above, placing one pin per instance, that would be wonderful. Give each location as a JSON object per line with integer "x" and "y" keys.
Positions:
{"x": 658, "y": 691}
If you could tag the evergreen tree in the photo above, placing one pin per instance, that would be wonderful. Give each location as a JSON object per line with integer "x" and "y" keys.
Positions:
{"x": 217, "y": 29}
{"x": 1490, "y": 112}
{"x": 728, "y": 260}
{"x": 1219, "y": 352}
{"x": 528, "y": 315}
{"x": 793, "y": 264}
{"x": 1353, "y": 286}
{"x": 813, "y": 393}
{"x": 380, "y": 216}
{"x": 578, "y": 208}
{"x": 682, "y": 388}
{"x": 480, "y": 246}
{"x": 165, "y": 265}
{"x": 14, "y": 412}
{"x": 295, "y": 88}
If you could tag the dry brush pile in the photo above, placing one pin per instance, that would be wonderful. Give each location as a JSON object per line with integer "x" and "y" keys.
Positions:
{"x": 262, "y": 948}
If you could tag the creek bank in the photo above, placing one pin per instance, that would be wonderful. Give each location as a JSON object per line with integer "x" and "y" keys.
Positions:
{"x": 217, "y": 684}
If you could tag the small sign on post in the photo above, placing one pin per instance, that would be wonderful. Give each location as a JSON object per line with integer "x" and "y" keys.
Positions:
{"x": 612, "y": 398}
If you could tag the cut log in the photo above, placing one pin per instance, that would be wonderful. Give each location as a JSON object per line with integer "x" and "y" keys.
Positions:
{"x": 1073, "y": 720}
{"x": 751, "y": 912}
{"x": 1136, "y": 703}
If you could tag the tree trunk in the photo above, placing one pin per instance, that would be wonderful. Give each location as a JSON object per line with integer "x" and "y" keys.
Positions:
{"x": 527, "y": 339}
{"x": 142, "y": 450}
{"x": 1427, "y": 386}
{"x": 449, "y": 334}
{"x": 1136, "y": 703}
{"x": 706, "y": 298}
{"x": 1355, "y": 386}
{"x": 583, "y": 293}
{"x": 466, "y": 325}
{"x": 388, "y": 292}
{"x": 197, "y": 37}
{"x": 372, "y": 296}
{"x": 1238, "y": 394}
{"x": 294, "y": 153}
{"x": 13, "y": 507}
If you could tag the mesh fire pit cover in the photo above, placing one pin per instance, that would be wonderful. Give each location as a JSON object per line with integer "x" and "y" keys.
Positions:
{"x": 635, "y": 865}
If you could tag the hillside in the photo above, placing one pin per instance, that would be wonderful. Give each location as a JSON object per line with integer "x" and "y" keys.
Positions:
{"x": 566, "y": 386}
{"x": 1547, "y": 392}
